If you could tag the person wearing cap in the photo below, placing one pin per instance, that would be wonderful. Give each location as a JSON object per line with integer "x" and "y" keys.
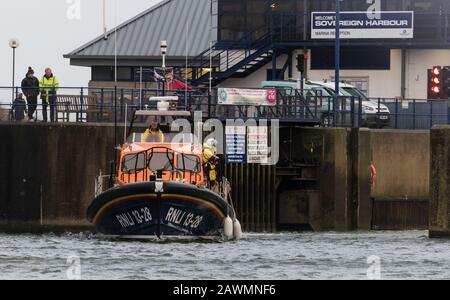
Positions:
{"x": 49, "y": 86}
{"x": 30, "y": 88}
{"x": 19, "y": 108}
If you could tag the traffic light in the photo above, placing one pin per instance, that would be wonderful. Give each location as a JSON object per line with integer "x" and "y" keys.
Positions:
{"x": 301, "y": 62}
{"x": 436, "y": 83}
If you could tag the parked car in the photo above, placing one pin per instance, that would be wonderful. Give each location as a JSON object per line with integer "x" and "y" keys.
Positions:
{"x": 374, "y": 114}
{"x": 318, "y": 97}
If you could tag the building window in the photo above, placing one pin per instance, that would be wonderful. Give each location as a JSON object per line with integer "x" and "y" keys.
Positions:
{"x": 232, "y": 28}
{"x": 393, "y": 5}
{"x": 362, "y": 58}
{"x": 147, "y": 74}
{"x": 290, "y": 20}
{"x": 102, "y": 73}
{"x": 231, "y": 6}
{"x": 424, "y": 5}
{"x": 279, "y": 75}
{"x": 125, "y": 74}
{"x": 361, "y": 83}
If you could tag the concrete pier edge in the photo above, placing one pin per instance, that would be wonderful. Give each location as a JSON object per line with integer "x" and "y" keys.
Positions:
{"x": 440, "y": 182}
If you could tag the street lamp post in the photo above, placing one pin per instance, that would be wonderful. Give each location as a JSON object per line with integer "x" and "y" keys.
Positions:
{"x": 14, "y": 44}
{"x": 337, "y": 58}
{"x": 115, "y": 79}
{"x": 163, "y": 53}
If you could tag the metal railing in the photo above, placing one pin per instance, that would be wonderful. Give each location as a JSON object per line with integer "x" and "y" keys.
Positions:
{"x": 226, "y": 57}
{"x": 416, "y": 113}
{"x": 108, "y": 105}
{"x": 387, "y": 113}
{"x": 83, "y": 104}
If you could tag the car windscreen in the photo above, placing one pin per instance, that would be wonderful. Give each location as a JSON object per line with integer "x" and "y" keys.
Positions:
{"x": 356, "y": 93}
{"x": 133, "y": 162}
{"x": 188, "y": 162}
{"x": 321, "y": 91}
{"x": 160, "y": 161}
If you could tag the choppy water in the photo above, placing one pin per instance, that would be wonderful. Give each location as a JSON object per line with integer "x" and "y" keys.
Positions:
{"x": 403, "y": 255}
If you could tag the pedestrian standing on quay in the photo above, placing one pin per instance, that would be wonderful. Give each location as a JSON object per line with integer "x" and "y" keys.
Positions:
{"x": 30, "y": 88}
{"x": 19, "y": 108}
{"x": 49, "y": 86}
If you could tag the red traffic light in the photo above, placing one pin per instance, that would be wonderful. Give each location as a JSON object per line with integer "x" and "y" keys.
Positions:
{"x": 437, "y": 71}
{"x": 436, "y": 81}
{"x": 436, "y": 89}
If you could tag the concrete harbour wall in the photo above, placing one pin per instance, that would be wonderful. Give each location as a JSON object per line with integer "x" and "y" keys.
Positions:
{"x": 440, "y": 182}
{"x": 49, "y": 170}
{"x": 402, "y": 159}
{"x": 345, "y": 198}
{"x": 48, "y": 174}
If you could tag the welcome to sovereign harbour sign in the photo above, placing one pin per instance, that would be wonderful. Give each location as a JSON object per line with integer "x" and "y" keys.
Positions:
{"x": 361, "y": 25}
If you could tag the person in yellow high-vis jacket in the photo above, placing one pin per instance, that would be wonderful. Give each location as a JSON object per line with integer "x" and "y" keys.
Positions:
{"x": 153, "y": 134}
{"x": 48, "y": 85}
{"x": 210, "y": 162}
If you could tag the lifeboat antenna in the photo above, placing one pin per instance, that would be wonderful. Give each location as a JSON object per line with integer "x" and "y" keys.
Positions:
{"x": 210, "y": 47}
{"x": 115, "y": 82}
{"x": 186, "y": 70}
{"x": 105, "y": 33}
{"x": 163, "y": 53}
{"x": 125, "y": 124}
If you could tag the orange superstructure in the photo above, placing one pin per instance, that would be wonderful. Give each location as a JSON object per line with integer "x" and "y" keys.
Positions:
{"x": 142, "y": 162}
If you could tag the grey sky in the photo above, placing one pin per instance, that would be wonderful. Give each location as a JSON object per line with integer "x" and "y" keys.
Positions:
{"x": 47, "y": 29}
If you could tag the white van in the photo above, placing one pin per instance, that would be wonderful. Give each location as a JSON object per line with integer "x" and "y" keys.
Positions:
{"x": 374, "y": 114}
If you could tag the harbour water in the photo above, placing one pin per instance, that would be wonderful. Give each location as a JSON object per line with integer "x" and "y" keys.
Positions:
{"x": 362, "y": 255}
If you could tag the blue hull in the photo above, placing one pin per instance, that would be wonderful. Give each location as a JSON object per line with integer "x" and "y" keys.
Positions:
{"x": 179, "y": 210}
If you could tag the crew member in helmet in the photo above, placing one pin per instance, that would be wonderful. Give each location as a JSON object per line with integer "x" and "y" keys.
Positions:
{"x": 210, "y": 162}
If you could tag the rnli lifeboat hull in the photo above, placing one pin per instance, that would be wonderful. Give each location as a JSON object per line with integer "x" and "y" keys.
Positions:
{"x": 163, "y": 209}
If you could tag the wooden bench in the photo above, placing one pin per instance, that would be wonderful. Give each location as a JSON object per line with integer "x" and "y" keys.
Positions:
{"x": 86, "y": 110}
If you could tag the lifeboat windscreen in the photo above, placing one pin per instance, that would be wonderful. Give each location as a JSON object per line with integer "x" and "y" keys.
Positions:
{"x": 133, "y": 162}
{"x": 188, "y": 162}
{"x": 160, "y": 161}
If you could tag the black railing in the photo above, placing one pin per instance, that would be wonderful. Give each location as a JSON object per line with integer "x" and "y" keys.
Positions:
{"x": 218, "y": 60}
{"x": 104, "y": 105}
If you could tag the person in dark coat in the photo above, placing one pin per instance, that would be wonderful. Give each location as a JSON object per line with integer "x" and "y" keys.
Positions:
{"x": 30, "y": 88}
{"x": 19, "y": 108}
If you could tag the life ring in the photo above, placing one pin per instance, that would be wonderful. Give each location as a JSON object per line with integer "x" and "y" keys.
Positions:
{"x": 373, "y": 174}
